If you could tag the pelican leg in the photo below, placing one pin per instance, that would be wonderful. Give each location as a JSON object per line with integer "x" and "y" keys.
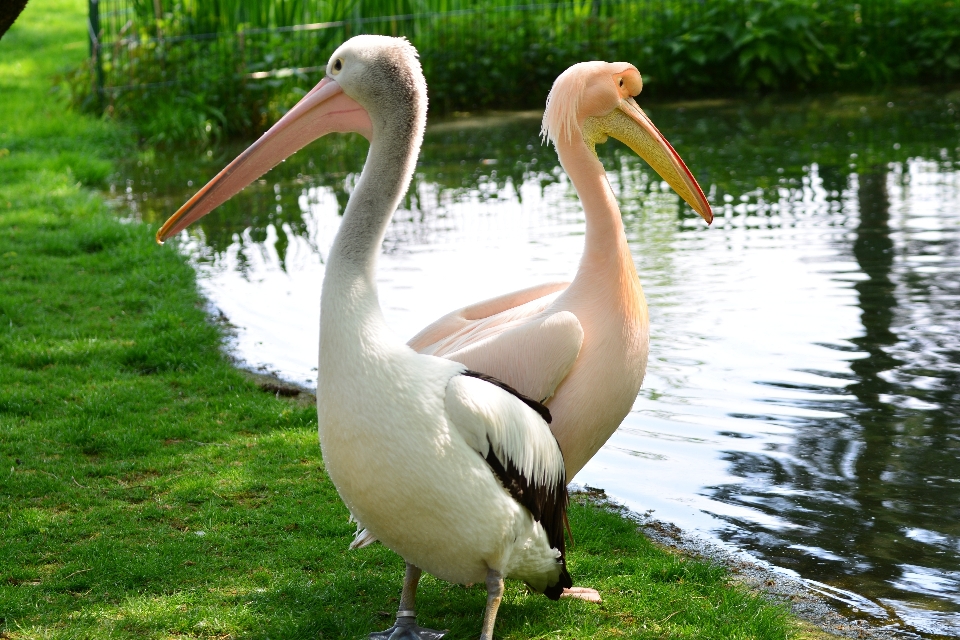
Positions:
{"x": 494, "y": 596}
{"x": 406, "y": 626}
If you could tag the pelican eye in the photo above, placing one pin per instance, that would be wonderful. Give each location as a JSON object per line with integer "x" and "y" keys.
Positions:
{"x": 337, "y": 65}
{"x": 621, "y": 82}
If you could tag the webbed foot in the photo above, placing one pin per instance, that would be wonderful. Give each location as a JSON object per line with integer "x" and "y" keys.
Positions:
{"x": 582, "y": 593}
{"x": 406, "y": 628}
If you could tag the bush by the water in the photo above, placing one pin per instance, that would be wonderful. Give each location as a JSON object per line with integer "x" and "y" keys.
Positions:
{"x": 204, "y": 69}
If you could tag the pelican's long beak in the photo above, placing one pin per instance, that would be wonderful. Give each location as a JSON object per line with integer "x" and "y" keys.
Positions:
{"x": 326, "y": 109}
{"x": 631, "y": 126}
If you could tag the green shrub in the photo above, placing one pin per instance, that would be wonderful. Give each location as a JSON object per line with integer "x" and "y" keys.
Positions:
{"x": 227, "y": 67}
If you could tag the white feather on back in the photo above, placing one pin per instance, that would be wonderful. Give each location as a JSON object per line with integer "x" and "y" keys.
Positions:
{"x": 484, "y": 413}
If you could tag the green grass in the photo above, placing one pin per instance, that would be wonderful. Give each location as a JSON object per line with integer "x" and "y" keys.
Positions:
{"x": 149, "y": 489}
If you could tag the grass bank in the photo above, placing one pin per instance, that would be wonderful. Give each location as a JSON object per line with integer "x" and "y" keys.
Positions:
{"x": 149, "y": 489}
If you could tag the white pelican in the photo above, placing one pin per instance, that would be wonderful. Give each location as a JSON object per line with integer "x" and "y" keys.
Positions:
{"x": 579, "y": 347}
{"x": 449, "y": 468}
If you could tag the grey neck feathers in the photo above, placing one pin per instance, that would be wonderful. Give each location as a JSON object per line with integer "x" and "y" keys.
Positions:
{"x": 386, "y": 176}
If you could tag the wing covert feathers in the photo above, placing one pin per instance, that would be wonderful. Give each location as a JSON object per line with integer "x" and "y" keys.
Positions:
{"x": 489, "y": 417}
{"x": 456, "y": 320}
{"x": 539, "y": 407}
{"x": 516, "y": 442}
{"x": 533, "y": 355}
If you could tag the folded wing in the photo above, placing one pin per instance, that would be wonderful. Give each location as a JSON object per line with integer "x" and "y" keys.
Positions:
{"x": 510, "y": 431}
{"x": 439, "y": 334}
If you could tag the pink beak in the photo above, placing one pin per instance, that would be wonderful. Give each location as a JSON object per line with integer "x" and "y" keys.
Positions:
{"x": 326, "y": 109}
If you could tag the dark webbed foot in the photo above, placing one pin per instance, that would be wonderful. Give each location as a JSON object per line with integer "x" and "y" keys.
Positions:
{"x": 406, "y": 628}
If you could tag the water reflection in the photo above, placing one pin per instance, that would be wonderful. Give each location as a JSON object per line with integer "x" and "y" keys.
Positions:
{"x": 876, "y": 485}
{"x": 802, "y": 395}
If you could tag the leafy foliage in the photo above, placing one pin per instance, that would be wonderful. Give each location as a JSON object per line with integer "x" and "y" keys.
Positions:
{"x": 205, "y": 69}
{"x": 750, "y": 45}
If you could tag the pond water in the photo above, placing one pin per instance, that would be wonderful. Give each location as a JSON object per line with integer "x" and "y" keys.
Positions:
{"x": 802, "y": 400}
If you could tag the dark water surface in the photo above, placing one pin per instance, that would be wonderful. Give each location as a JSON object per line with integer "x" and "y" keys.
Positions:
{"x": 802, "y": 400}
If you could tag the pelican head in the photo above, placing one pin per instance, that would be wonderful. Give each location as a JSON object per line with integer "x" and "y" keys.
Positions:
{"x": 373, "y": 85}
{"x": 596, "y": 100}
{"x": 383, "y": 75}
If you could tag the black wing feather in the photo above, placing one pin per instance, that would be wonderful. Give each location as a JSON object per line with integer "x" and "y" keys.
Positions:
{"x": 539, "y": 407}
{"x": 546, "y": 503}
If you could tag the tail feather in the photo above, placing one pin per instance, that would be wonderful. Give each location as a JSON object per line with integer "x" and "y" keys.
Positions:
{"x": 565, "y": 582}
{"x": 363, "y": 538}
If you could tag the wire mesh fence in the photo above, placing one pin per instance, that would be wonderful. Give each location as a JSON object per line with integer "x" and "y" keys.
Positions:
{"x": 140, "y": 46}
{"x": 496, "y": 53}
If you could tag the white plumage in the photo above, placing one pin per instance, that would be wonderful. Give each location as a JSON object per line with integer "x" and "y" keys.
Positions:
{"x": 406, "y": 450}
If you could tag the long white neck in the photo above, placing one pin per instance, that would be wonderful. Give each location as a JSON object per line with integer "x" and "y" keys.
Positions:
{"x": 350, "y": 311}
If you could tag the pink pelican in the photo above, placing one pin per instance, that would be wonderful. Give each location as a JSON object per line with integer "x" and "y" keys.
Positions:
{"x": 453, "y": 470}
{"x": 579, "y": 347}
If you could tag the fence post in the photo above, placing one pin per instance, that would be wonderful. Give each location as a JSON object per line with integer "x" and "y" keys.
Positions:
{"x": 357, "y": 15}
{"x": 93, "y": 26}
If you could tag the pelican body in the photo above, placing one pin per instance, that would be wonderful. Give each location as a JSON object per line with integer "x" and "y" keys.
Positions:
{"x": 453, "y": 470}
{"x": 579, "y": 347}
